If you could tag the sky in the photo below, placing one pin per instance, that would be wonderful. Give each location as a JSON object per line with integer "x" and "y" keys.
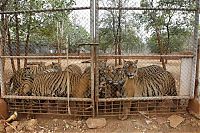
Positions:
{"x": 83, "y": 16}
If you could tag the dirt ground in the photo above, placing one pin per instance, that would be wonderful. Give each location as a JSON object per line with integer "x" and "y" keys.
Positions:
{"x": 138, "y": 124}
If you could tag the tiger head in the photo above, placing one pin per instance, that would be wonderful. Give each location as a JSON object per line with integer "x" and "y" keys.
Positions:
{"x": 130, "y": 68}
{"x": 56, "y": 66}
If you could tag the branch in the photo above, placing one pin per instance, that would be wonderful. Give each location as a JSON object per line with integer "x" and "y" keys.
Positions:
{"x": 3, "y": 5}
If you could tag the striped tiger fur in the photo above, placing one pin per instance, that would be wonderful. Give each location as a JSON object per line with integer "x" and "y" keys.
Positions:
{"x": 117, "y": 82}
{"x": 105, "y": 78}
{"x": 55, "y": 84}
{"x": 104, "y": 70}
{"x": 27, "y": 75}
{"x": 119, "y": 73}
{"x": 159, "y": 83}
{"x": 75, "y": 68}
{"x": 142, "y": 71}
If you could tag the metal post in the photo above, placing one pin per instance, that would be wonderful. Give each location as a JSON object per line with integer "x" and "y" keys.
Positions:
{"x": 1, "y": 70}
{"x": 92, "y": 55}
{"x": 97, "y": 54}
{"x": 194, "y": 103}
{"x": 193, "y": 79}
{"x": 196, "y": 91}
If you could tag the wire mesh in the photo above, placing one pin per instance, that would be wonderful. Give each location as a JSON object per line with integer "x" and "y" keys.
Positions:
{"x": 155, "y": 32}
{"x": 107, "y": 66}
{"x": 57, "y": 107}
{"x": 38, "y": 34}
{"x": 144, "y": 107}
{"x": 143, "y": 30}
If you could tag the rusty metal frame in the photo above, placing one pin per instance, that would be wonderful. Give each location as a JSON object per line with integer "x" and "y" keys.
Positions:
{"x": 147, "y": 8}
{"x": 149, "y": 57}
{"x": 15, "y": 100}
{"x": 44, "y": 10}
{"x": 94, "y": 11}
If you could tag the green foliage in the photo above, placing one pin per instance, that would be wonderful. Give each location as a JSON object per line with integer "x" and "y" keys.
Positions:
{"x": 44, "y": 26}
{"x": 178, "y": 40}
{"x": 172, "y": 25}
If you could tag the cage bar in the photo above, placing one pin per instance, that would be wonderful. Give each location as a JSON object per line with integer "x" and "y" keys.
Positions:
{"x": 44, "y": 10}
{"x": 149, "y": 8}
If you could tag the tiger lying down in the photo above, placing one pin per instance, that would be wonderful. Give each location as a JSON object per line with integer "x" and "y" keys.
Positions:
{"x": 28, "y": 73}
{"x": 55, "y": 83}
{"x": 146, "y": 82}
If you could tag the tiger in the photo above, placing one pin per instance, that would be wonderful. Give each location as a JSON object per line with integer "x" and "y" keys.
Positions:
{"x": 54, "y": 84}
{"x": 116, "y": 82}
{"x": 105, "y": 78}
{"x": 143, "y": 71}
{"x": 75, "y": 68}
{"x": 103, "y": 71}
{"x": 156, "y": 83}
{"x": 27, "y": 75}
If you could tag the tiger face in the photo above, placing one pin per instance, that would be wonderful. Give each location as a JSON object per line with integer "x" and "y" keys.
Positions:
{"x": 56, "y": 66}
{"x": 130, "y": 68}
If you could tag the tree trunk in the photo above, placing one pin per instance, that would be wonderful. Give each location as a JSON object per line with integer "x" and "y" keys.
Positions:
{"x": 160, "y": 47}
{"x": 153, "y": 17}
{"x": 10, "y": 50}
{"x": 17, "y": 35}
{"x": 3, "y": 31}
{"x": 119, "y": 32}
{"x": 114, "y": 36}
{"x": 27, "y": 40}
{"x": 168, "y": 42}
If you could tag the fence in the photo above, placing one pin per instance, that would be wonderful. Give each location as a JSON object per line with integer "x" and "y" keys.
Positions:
{"x": 97, "y": 36}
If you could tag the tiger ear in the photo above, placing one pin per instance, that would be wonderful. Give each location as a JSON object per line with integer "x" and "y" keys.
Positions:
{"x": 124, "y": 61}
{"x": 135, "y": 62}
{"x": 105, "y": 61}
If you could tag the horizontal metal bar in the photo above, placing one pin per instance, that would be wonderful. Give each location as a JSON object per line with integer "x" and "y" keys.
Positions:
{"x": 46, "y": 98}
{"x": 55, "y": 114}
{"x": 142, "y": 98}
{"x": 135, "y": 113}
{"x": 147, "y": 8}
{"x": 44, "y": 10}
{"x": 104, "y": 56}
{"x": 81, "y": 44}
{"x": 46, "y": 57}
{"x": 175, "y": 57}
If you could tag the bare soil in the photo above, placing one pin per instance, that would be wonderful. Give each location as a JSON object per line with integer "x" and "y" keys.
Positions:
{"x": 139, "y": 124}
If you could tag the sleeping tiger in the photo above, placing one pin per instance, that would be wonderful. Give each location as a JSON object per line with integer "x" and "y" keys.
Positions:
{"x": 54, "y": 84}
{"x": 156, "y": 83}
{"x": 27, "y": 75}
{"x": 75, "y": 68}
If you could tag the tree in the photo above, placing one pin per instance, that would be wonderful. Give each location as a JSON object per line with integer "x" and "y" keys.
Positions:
{"x": 117, "y": 30}
{"x": 30, "y": 29}
{"x": 161, "y": 22}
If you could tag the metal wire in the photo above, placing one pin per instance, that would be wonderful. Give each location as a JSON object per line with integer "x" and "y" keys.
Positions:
{"x": 55, "y": 107}
{"x": 44, "y": 10}
{"x": 46, "y": 57}
{"x": 45, "y": 98}
{"x": 143, "y": 98}
{"x": 148, "y": 8}
{"x": 196, "y": 35}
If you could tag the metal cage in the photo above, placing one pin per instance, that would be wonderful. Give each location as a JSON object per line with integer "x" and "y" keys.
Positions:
{"x": 182, "y": 66}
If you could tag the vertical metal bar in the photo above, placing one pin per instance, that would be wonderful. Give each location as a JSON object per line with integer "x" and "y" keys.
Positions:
{"x": 97, "y": 55}
{"x": 196, "y": 91}
{"x": 196, "y": 25}
{"x": 1, "y": 70}
{"x": 92, "y": 55}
